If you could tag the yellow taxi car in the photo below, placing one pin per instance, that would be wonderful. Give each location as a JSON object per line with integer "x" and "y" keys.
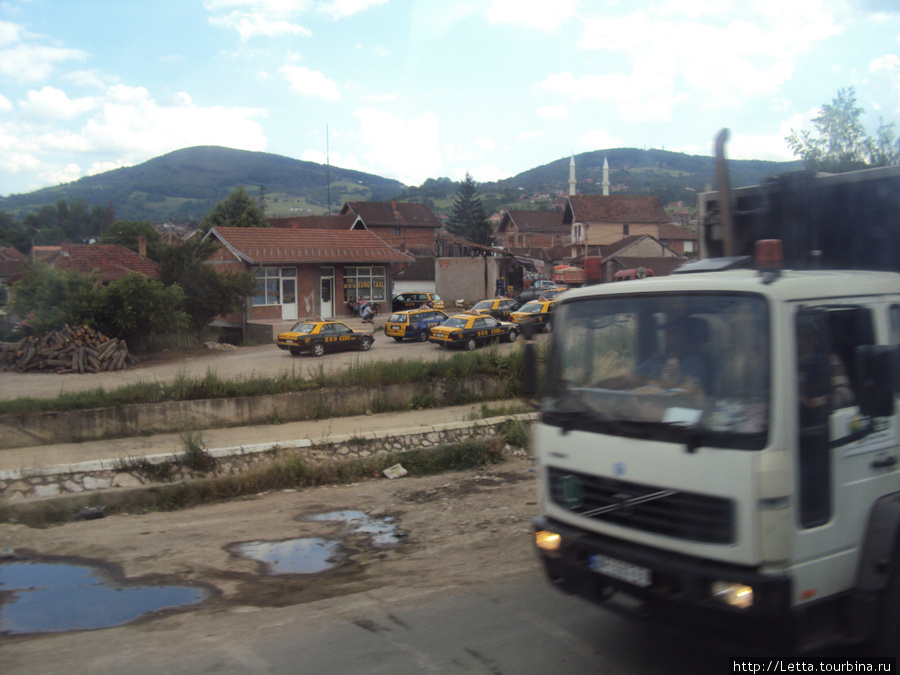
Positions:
{"x": 499, "y": 308}
{"x": 414, "y": 300}
{"x": 553, "y": 293}
{"x": 413, "y": 323}
{"x": 471, "y": 330}
{"x": 318, "y": 337}
{"x": 537, "y": 312}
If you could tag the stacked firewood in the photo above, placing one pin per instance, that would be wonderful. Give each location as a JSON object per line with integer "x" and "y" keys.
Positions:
{"x": 70, "y": 350}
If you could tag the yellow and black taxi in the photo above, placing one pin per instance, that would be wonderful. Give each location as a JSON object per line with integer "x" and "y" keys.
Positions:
{"x": 471, "y": 330}
{"x": 499, "y": 308}
{"x": 318, "y": 337}
{"x": 537, "y": 312}
{"x": 553, "y": 293}
{"x": 414, "y": 300}
{"x": 413, "y": 323}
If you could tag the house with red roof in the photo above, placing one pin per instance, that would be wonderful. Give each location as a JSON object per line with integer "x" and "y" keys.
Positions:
{"x": 304, "y": 272}
{"x": 110, "y": 262}
{"x": 600, "y": 220}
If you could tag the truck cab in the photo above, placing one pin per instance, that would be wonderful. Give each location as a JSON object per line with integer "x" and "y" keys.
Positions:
{"x": 719, "y": 453}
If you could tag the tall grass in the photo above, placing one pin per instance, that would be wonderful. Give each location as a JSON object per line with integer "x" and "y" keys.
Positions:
{"x": 458, "y": 367}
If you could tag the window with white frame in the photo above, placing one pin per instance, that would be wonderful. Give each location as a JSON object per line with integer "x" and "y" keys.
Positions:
{"x": 364, "y": 282}
{"x": 268, "y": 284}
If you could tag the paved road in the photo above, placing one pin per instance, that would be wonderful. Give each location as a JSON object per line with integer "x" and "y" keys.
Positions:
{"x": 520, "y": 625}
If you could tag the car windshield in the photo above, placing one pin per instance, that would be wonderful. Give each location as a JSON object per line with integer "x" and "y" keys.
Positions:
{"x": 304, "y": 327}
{"x": 436, "y": 297}
{"x": 484, "y": 304}
{"x": 455, "y": 322}
{"x": 654, "y": 365}
{"x": 531, "y": 308}
{"x": 397, "y": 318}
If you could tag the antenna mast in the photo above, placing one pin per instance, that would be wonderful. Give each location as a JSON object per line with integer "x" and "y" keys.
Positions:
{"x": 328, "y": 176}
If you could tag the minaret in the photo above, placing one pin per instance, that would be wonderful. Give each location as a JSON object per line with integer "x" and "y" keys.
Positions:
{"x": 572, "y": 176}
{"x": 605, "y": 178}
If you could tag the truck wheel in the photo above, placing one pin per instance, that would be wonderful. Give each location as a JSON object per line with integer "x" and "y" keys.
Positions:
{"x": 365, "y": 344}
{"x": 887, "y": 635}
{"x": 295, "y": 351}
{"x": 423, "y": 336}
{"x": 471, "y": 344}
{"x": 318, "y": 349}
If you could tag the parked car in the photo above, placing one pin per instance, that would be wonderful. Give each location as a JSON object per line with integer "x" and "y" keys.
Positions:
{"x": 414, "y": 300}
{"x": 318, "y": 337}
{"x": 538, "y": 312}
{"x": 472, "y": 330}
{"x": 499, "y": 308}
{"x": 413, "y": 323}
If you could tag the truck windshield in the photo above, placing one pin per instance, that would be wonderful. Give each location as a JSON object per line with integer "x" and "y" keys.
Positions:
{"x": 685, "y": 367}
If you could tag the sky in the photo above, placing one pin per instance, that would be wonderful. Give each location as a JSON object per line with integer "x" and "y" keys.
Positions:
{"x": 418, "y": 89}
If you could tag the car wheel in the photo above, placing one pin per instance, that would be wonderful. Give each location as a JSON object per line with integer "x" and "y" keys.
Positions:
{"x": 513, "y": 336}
{"x": 471, "y": 344}
{"x": 365, "y": 344}
{"x": 318, "y": 349}
{"x": 548, "y": 327}
{"x": 398, "y": 339}
{"x": 295, "y": 351}
{"x": 423, "y": 335}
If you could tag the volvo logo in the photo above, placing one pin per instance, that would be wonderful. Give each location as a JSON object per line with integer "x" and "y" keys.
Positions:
{"x": 619, "y": 469}
{"x": 571, "y": 491}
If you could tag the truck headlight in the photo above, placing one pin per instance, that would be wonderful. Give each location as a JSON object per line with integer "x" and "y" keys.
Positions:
{"x": 732, "y": 593}
{"x": 548, "y": 541}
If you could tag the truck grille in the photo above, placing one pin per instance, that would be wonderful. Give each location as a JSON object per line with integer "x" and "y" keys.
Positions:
{"x": 683, "y": 515}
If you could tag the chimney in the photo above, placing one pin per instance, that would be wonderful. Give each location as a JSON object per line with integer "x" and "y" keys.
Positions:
{"x": 142, "y": 245}
{"x": 64, "y": 248}
{"x": 394, "y": 204}
{"x": 402, "y": 248}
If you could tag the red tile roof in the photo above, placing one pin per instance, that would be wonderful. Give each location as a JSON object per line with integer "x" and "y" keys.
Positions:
{"x": 110, "y": 260}
{"x": 277, "y": 245}
{"x": 616, "y": 209}
{"x": 669, "y": 231}
{"x": 326, "y": 222}
{"x": 534, "y": 221}
{"x": 393, "y": 213}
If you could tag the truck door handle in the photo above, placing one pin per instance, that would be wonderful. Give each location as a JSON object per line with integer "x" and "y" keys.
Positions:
{"x": 884, "y": 462}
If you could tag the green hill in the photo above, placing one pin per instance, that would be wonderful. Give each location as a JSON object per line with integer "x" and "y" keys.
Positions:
{"x": 183, "y": 185}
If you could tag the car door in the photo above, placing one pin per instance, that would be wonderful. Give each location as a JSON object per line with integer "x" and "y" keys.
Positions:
{"x": 346, "y": 338}
{"x": 492, "y": 329}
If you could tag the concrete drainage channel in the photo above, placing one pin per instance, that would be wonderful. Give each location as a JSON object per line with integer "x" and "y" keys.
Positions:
{"x": 89, "y": 477}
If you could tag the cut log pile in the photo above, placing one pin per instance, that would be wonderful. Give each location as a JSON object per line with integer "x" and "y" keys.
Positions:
{"x": 70, "y": 350}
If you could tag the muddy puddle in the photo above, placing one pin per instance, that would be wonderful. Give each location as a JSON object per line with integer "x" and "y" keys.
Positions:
{"x": 49, "y": 597}
{"x": 311, "y": 555}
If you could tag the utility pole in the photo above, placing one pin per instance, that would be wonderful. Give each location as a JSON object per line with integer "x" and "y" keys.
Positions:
{"x": 328, "y": 177}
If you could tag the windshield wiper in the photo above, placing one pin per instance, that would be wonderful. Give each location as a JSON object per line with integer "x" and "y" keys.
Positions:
{"x": 691, "y": 435}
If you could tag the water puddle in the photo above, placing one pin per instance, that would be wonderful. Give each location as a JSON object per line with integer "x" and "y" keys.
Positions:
{"x": 310, "y": 555}
{"x": 45, "y": 597}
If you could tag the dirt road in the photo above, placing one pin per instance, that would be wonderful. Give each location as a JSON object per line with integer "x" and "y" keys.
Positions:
{"x": 227, "y": 362}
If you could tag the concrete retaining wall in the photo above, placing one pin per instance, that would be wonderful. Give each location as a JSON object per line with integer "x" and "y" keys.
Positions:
{"x": 27, "y": 484}
{"x": 35, "y": 429}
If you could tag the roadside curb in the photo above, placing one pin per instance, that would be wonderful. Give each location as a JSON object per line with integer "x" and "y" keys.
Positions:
{"x": 103, "y": 474}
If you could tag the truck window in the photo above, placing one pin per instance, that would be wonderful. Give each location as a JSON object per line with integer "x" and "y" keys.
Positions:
{"x": 698, "y": 362}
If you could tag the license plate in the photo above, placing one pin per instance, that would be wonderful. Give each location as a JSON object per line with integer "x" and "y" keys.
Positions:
{"x": 618, "y": 569}
{"x": 396, "y": 327}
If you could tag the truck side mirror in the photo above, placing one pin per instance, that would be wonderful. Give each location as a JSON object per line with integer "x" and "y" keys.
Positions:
{"x": 875, "y": 365}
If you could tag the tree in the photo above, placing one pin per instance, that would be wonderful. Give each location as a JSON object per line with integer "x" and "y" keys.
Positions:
{"x": 207, "y": 292}
{"x": 840, "y": 143}
{"x": 238, "y": 209}
{"x": 49, "y": 298}
{"x": 467, "y": 218}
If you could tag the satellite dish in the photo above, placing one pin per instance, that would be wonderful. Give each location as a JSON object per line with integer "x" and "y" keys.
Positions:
{"x": 641, "y": 272}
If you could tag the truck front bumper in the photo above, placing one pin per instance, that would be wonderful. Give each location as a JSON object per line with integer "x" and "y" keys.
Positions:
{"x": 676, "y": 594}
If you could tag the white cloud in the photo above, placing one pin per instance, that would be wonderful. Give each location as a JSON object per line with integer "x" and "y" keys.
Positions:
{"x": 28, "y": 63}
{"x": 553, "y": 112}
{"x": 485, "y": 143}
{"x": 10, "y": 33}
{"x": 538, "y": 14}
{"x": 341, "y": 9}
{"x": 598, "y": 138}
{"x": 249, "y": 25}
{"x": 889, "y": 62}
{"x": 5, "y": 105}
{"x": 52, "y": 104}
{"x": 528, "y": 135}
{"x": 407, "y": 149}
{"x": 311, "y": 83}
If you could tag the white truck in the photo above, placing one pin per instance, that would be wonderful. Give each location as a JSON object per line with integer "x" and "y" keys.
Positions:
{"x": 718, "y": 448}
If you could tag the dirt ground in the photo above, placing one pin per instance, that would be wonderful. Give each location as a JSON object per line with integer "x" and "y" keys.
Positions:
{"x": 451, "y": 529}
